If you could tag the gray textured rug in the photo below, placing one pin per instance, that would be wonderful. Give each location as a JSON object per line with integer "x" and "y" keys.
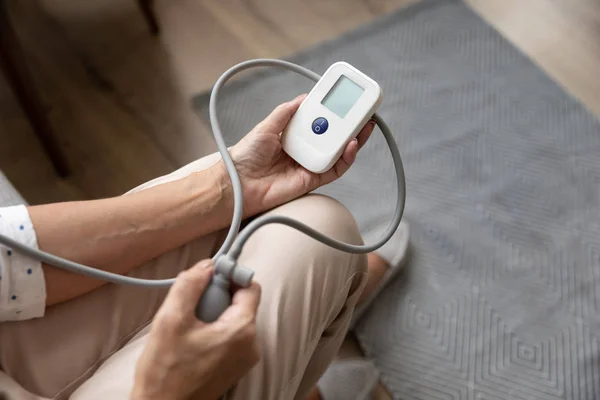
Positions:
{"x": 502, "y": 295}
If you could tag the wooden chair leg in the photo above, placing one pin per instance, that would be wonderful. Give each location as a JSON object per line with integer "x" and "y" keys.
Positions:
{"x": 147, "y": 8}
{"x": 14, "y": 65}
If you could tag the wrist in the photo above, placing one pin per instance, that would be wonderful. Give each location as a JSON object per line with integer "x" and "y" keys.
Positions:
{"x": 222, "y": 184}
{"x": 143, "y": 389}
{"x": 140, "y": 394}
{"x": 213, "y": 190}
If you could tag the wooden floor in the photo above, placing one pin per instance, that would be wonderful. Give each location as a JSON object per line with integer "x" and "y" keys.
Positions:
{"x": 119, "y": 98}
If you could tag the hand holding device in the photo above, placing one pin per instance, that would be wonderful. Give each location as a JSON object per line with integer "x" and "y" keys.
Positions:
{"x": 269, "y": 176}
{"x": 183, "y": 355}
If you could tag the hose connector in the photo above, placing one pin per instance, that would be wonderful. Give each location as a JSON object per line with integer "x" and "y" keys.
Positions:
{"x": 228, "y": 267}
{"x": 217, "y": 297}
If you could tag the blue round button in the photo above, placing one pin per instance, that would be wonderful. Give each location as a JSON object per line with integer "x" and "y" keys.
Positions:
{"x": 320, "y": 125}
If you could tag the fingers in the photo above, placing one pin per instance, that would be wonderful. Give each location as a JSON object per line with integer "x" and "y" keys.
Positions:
{"x": 281, "y": 115}
{"x": 248, "y": 298}
{"x": 365, "y": 133}
{"x": 188, "y": 288}
{"x": 349, "y": 155}
{"x": 244, "y": 303}
{"x": 347, "y": 158}
{"x": 237, "y": 325}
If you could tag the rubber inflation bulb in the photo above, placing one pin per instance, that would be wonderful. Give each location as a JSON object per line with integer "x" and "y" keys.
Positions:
{"x": 214, "y": 301}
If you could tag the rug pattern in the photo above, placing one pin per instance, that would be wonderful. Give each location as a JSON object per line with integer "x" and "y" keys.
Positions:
{"x": 501, "y": 297}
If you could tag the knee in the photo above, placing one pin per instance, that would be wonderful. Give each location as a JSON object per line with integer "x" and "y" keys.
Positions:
{"x": 323, "y": 214}
{"x": 283, "y": 243}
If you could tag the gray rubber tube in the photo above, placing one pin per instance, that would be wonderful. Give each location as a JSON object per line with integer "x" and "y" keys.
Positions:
{"x": 234, "y": 243}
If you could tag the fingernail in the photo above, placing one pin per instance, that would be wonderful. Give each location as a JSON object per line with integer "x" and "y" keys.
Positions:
{"x": 372, "y": 123}
{"x": 355, "y": 140}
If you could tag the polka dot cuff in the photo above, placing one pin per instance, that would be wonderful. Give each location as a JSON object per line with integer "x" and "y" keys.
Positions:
{"x": 22, "y": 284}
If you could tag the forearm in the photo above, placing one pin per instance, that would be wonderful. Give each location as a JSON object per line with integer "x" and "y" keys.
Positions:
{"x": 117, "y": 234}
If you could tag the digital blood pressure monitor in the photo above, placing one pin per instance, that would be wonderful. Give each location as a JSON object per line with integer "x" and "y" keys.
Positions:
{"x": 332, "y": 114}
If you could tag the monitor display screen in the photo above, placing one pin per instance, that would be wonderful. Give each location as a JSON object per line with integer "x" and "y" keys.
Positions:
{"x": 342, "y": 96}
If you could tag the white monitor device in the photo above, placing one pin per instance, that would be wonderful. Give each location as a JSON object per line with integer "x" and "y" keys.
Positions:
{"x": 333, "y": 113}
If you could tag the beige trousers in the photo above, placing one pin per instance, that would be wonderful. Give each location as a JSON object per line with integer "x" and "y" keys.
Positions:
{"x": 87, "y": 348}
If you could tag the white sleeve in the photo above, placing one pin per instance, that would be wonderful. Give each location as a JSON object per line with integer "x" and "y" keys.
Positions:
{"x": 22, "y": 283}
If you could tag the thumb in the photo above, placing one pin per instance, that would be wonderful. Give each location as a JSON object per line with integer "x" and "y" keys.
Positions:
{"x": 188, "y": 288}
{"x": 244, "y": 303}
{"x": 281, "y": 115}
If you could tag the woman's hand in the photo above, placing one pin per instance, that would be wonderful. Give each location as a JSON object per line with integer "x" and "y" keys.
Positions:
{"x": 269, "y": 176}
{"x": 184, "y": 356}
